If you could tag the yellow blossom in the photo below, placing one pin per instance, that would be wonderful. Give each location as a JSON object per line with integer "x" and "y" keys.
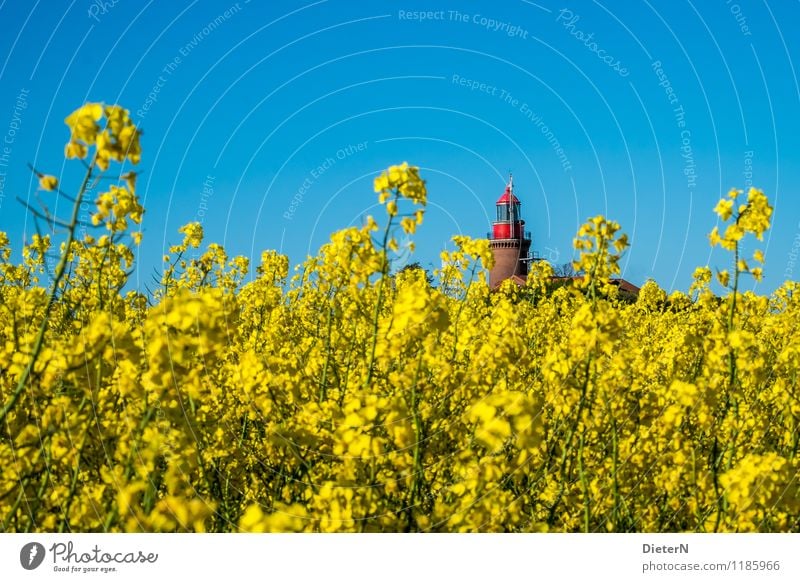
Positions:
{"x": 48, "y": 182}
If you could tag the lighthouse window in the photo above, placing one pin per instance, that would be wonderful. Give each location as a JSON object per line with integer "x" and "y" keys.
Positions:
{"x": 514, "y": 212}
{"x": 502, "y": 212}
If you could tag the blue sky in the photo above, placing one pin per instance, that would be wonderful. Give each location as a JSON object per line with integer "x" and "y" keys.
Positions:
{"x": 267, "y": 121}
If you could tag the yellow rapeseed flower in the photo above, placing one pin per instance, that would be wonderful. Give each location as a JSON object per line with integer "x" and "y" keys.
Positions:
{"x": 48, "y": 182}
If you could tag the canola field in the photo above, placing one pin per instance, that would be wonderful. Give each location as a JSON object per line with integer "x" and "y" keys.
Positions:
{"x": 340, "y": 396}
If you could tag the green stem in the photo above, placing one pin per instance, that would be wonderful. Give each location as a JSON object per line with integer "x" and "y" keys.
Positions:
{"x": 38, "y": 343}
{"x": 584, "y": 486}
{"x": 323, "y": 390}
{"x": 17, "y": 503}
{"x": 615, "y": 459}
{"x": 114, "y": 514}
{"x": 568, "y": 445}
{"x": 418, "y": 437}
{"x": 379, "y": 300}
{"x": 74, "y": 483}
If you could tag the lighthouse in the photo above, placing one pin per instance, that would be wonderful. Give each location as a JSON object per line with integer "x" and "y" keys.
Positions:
{"x": 510, "y": 243}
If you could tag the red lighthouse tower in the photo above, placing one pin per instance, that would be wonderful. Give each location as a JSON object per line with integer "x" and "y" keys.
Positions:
{"x": 510, "y": 243}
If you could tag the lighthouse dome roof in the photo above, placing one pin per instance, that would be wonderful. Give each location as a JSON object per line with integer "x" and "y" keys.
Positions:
{"x": 508, "y": 196}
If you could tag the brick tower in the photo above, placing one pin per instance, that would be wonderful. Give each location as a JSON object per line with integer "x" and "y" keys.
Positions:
{"x": 510, "y": 243}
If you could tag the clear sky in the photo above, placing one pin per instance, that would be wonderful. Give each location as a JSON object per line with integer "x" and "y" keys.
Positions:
{"x": 267, "y": 120}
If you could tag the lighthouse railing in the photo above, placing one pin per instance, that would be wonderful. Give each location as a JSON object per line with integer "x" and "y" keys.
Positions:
{"x": 490, "y": 235}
